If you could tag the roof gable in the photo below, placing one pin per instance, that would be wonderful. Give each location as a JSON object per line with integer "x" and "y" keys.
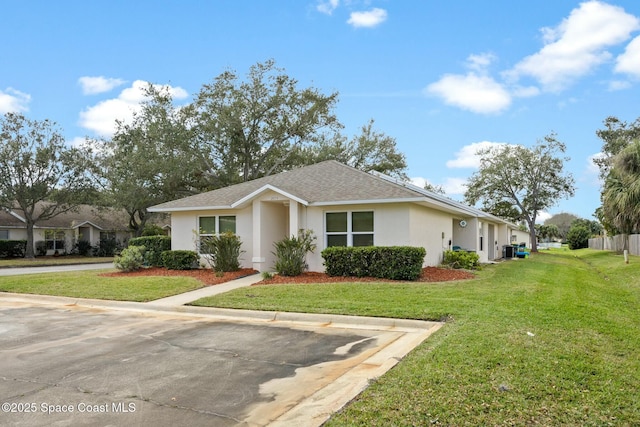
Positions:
{"x": 324, "y": 183}
{"x": 320, "y": 183}
{"x": 101, "y": 218}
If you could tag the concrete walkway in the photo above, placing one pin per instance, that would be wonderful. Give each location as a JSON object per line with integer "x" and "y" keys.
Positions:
{"x": 187, "y": 297}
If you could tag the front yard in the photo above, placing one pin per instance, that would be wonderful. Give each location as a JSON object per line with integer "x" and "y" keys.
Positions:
{"x": 548, "y": 340}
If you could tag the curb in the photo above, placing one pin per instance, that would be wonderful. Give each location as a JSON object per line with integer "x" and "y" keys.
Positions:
{"x": 228, "y": 314}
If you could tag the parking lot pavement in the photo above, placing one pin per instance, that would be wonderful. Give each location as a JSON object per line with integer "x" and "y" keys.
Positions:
{"x": 84, "y": 362}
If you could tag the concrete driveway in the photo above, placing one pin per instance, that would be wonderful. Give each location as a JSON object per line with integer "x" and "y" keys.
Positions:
{"x": 86, "y": 362}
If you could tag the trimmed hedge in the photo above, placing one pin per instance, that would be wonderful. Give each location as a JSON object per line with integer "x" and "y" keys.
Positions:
{"x": 384, "y": 262}
{"x": 461, "y": 260}
{"x": 179, "y": 260}
{"x": 13, "y": 248}
{"x": 155, "y": 245}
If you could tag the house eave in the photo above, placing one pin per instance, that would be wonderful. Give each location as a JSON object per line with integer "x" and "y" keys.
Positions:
{"x": 246, "y": 199}
{"x": 89, "y": 223}
{"x": 366, "y": 201}
{"x": 190, "y": 208}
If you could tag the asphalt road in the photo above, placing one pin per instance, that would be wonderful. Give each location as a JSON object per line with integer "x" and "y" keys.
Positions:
{"x": 68, "y": 364}
{"x": 53, "y": 269}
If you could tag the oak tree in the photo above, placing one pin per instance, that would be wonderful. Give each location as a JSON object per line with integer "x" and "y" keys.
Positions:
{"x": 41, "y": 176}
{"x": 530, "y": 179}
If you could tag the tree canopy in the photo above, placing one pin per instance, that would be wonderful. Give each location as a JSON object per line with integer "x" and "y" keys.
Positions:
{"x": 619, "y": 171}
{"x": 152, "y": 160}
{"x": 529, "y": 179}
{"x": 371, "y": 150}
{"x": 621, "y": 191}
{"x": 615, "y": 136}
{"x": 253, "y": 128}
{"x": 562, "y": 221}
{"x": 235, "y": 130}
{"x": 41, "y": 177}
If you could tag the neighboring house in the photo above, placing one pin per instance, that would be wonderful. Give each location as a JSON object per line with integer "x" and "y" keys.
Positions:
{"x": 519, "y": 236}
{"x": 61, "y": 233}
{"x": 342, "y": 206}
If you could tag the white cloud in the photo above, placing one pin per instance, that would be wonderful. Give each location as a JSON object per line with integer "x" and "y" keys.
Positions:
{"x": 419, "y": 181}
{"x": 94, "y": 85}
{"x": 542, "y": 217}
{"x": 101, "y": 118}
{"x": 577, "y": 45}
{"x": 592, "y": 170}
{"x": 368, "y": 19}
{"x": 327, "y": 7}
{"x": 629, "y": 61}
{"x": 479, "y": 94}
{"x": 451, "y": 186}
{"x": 480, "y": 62}
{"x": 619, "y": 85}
{"x": 455, "y": 186}
{"x": 524, "y": 91}
{"x": 467, "y": 156}
{"x": 13, "y": 101}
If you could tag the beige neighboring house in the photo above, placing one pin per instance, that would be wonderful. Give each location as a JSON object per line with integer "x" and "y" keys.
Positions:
{"x": 61, "y": 233}
{"x": 342, "y": 206}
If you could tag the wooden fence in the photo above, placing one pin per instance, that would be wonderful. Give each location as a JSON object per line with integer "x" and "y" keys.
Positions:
{"x": 617, "y": 243}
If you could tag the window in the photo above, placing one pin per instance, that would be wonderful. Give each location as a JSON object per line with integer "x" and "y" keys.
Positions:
{"x": 4, "y": 234}
{"x": 209, "y": 226}
{"x": 107, "y": 235}
{"x": 54, "y": 240}
{"x": 349, "y": 228}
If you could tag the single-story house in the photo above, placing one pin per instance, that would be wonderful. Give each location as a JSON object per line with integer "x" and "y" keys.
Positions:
{"x": 62, "y": 232}
{"x": 342, "y": 206}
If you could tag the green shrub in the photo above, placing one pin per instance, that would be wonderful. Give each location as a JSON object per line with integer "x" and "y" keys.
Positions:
{"x": 461, "y": 260}
{"x": 107, "y": 247}
{"x": 222, "y": 251}
{"x": 13, "y": 248}
{"x": 82, "y": 247}
{"x": 41, "y": 248}
{"x": 155, "y": 245}
{"x": 291, "y": 253}
{"x": 385, "y": 262}
{"x": 153, "y": 230}
{"x": 578, "y": 237}
{"x": 131, "y": 259}
{"x": 179, "y": 260}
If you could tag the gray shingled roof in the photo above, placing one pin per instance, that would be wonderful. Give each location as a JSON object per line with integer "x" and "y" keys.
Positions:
{"x": 107, "y": 219}
{"x": 324, "y": 182}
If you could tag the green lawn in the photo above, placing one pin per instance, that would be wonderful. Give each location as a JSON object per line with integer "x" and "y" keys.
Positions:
{"x": 89, "y": 284}
{"x": 549, "y": 340}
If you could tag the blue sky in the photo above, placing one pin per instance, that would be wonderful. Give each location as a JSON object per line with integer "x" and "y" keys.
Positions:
{"x": 442, "y": 77}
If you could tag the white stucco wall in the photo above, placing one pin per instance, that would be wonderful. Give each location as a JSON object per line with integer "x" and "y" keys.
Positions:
{"x": 432, "y": 230}
{"x": 184, "y": 227}
{"x": 394, "y": 224}
{"x": 521, "y": 237}
{"x": 390, "y": 224}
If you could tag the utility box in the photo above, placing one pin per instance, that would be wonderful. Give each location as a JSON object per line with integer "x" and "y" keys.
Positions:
{"x": 508, "y": 251}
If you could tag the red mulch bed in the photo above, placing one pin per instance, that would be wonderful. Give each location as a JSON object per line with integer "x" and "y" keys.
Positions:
{"x": 429, "y": 274}
{"x": 208, "y": 277}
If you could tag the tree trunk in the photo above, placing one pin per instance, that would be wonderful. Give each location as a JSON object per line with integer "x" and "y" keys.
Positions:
{"x": 29, "y": 252}
{"x": 532, "y": 237}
